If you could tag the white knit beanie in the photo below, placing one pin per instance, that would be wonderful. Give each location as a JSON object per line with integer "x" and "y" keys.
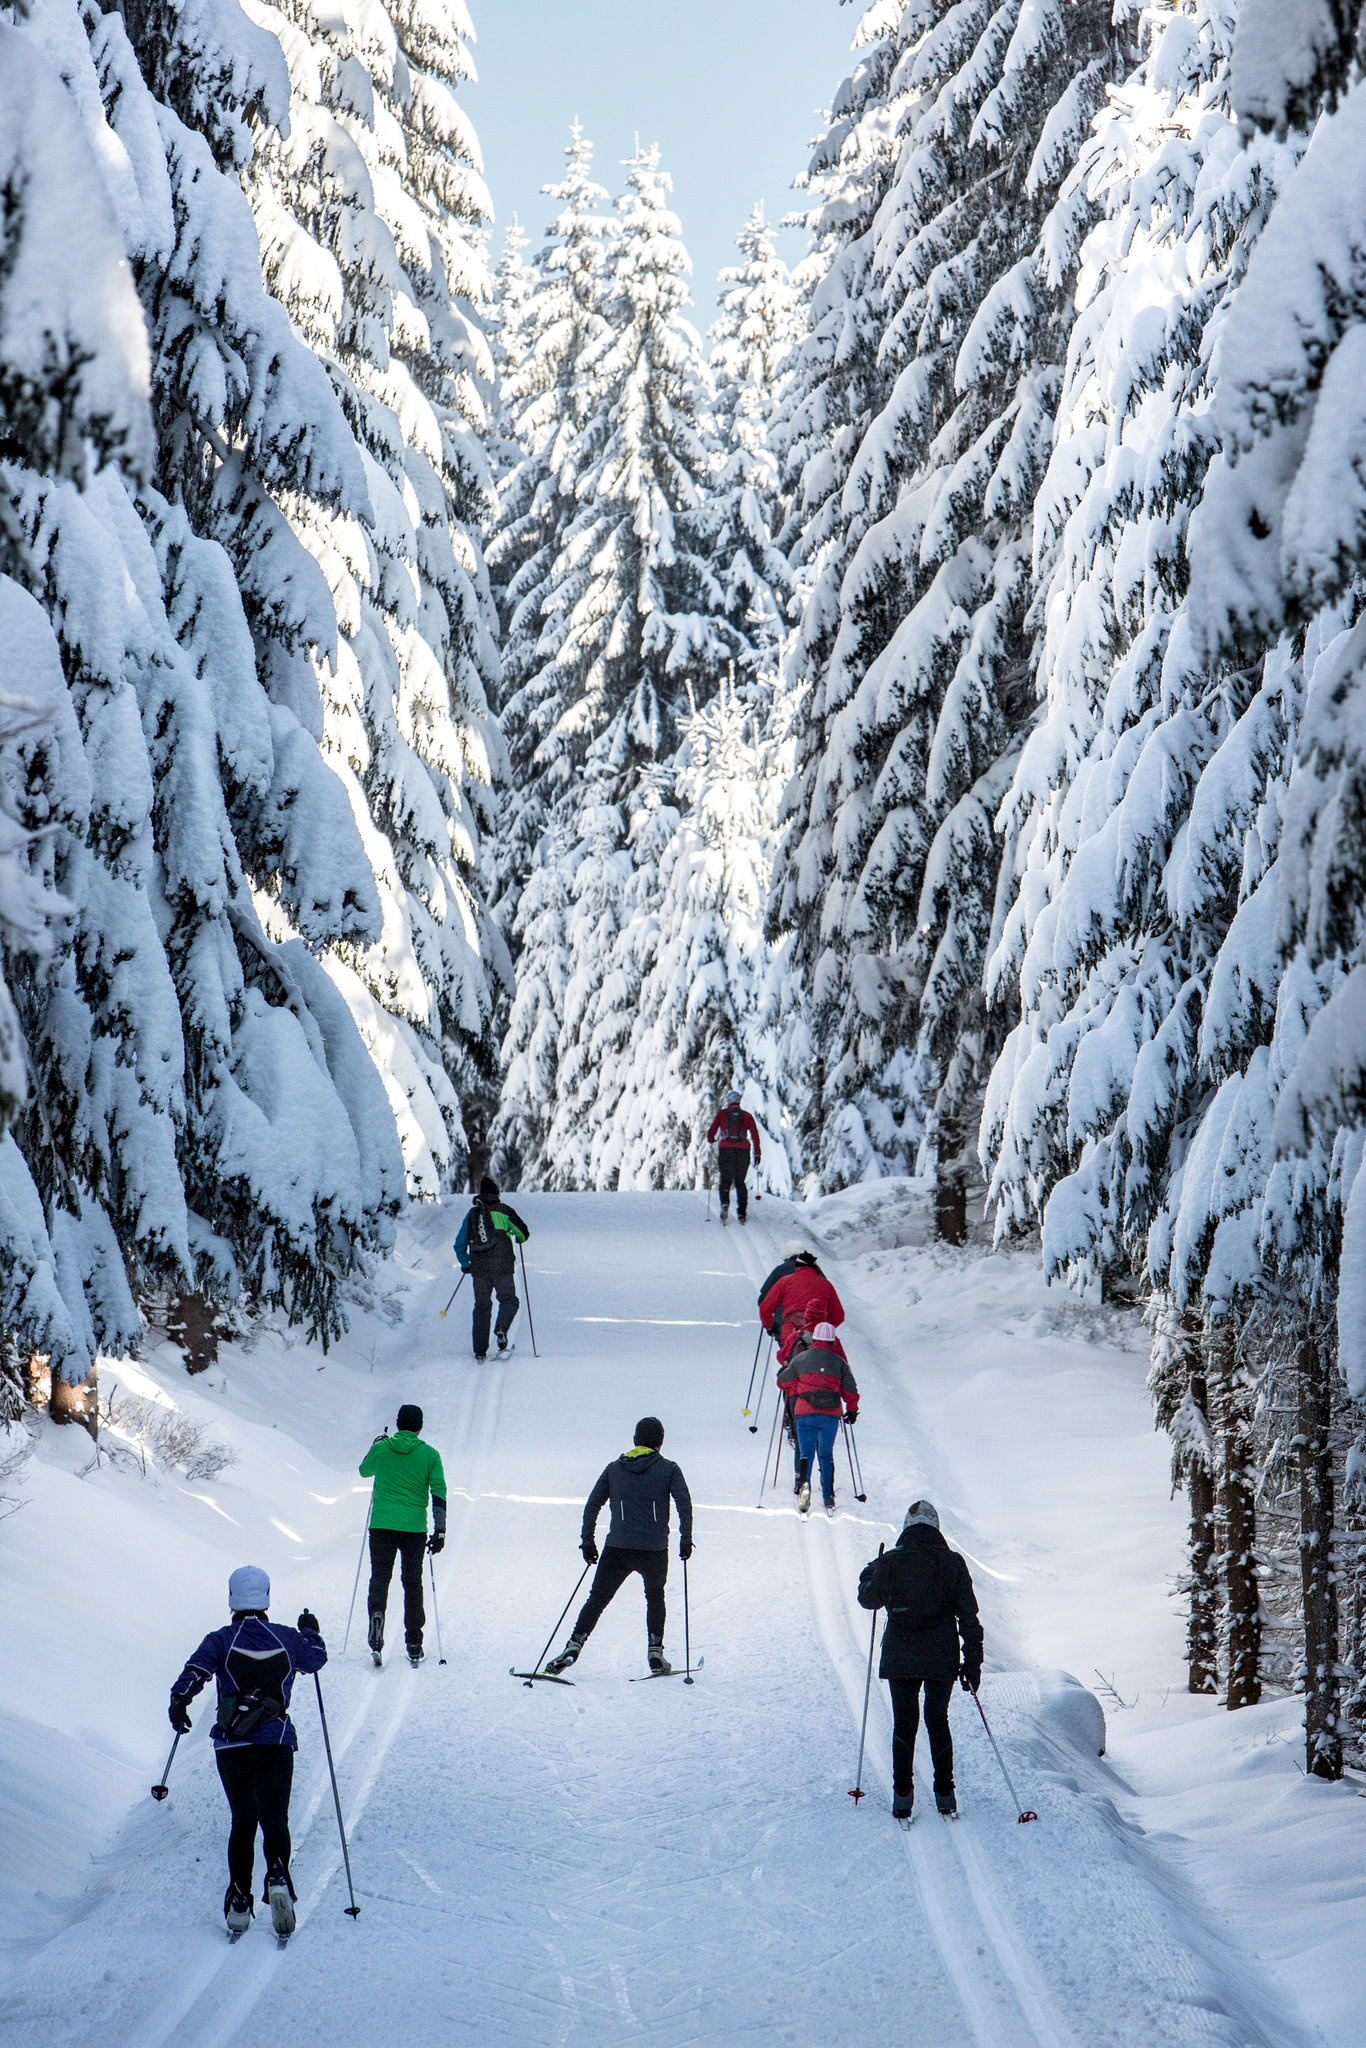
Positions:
{"x": 824, "y": 1333}
{"x": 921, "y": 1511}
{"x": 248, "y": 1589}
{"x": 794, "y": 1248}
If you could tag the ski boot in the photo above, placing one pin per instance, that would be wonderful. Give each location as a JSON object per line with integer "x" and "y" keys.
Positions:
{"x": 415, "y": 1653}
{"x": 804, "y": 1497}
{"x": 660, "y": 1667}
{"x": 744, "y": 1215}
{"x": 280, "y": 1899}
{"x": 503, "y": 1340}
{"x": 568, "y": 1655}
{"x": 481, "y": 1357}
{"x": 237, "y": 1912}
{"x": 830, "y": 1505}
{"x": 902, "y": 1805}
{"x": 375, "y": 1637}
{"x": 947, "y": 1804}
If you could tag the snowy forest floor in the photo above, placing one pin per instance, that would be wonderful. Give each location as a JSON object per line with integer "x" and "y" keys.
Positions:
{"x": 619, "y": 1863}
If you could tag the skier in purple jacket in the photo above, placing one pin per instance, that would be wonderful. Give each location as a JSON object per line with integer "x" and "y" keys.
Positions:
{"x": 254, "y": 1661}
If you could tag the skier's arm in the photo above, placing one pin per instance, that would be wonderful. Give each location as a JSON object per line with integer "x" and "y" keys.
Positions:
{"x": 517, "y": 1230}
{"x": 787, "y": 1374}
{"x": 593, "y": 1507}
{"x": 682, "y": 1499}
{"x": 771, "y": 1308}
{"x": 969, "y": 1625}
{"x": 369, "y": 1464}
{"x": 871, "y": 1589}
{"x": 837, "y": 1317}
{"x": 192, "y": 1680}
{"x": 849, "y": 1389}
{"x": 436, "y": 1486}
{"x": 753, "y": 1136}
{"x": 462, "y": 1238}
{"x": 716, "y": 1124}
{"x": 307, "y": 1650}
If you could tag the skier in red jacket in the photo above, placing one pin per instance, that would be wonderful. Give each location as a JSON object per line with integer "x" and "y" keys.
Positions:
{"x": 806, "y": 1290}
{"x": 818, "y": 1385}
{"x": 737, "y": 1131}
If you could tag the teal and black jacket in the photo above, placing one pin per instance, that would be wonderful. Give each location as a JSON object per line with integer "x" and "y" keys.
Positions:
{"x": 501, "y": 1226}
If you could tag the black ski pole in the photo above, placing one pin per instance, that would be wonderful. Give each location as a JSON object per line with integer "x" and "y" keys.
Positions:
{"x": 530, "y": 1319}
{"x": 1022, "y": 1813}
{"x": 458, "y": 1285}
{"x": 436, "y": 1611}
{"x": 777, "y": 1462}
{"x": 848, "y": 1443}
{"x": 858, "y": 1791}
{"x": 752, "y": 1371}
{"x": 858, "y": 1469}
{"x": 356, "y": 1584}
{"x": 777, "y": 1411}
{"x": 688, "y": 1678}
{"x": 563, "y": 1611}
{"x": 353, "y": 1910}
{"x": 159, "y": 1790}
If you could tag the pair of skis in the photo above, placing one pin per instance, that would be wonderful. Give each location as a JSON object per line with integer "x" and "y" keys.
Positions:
{"x": 641, "y": 1678}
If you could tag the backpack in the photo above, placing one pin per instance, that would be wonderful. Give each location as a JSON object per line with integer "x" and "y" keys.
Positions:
{"x": 482, "y": 1235}
{"x": 735, "y": 1124}
{"x": 933, "y": 1602}
{"x": 260, "y": 1682}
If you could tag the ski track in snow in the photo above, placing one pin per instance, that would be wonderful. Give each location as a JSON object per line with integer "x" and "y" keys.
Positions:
{"x": 610, "y": 1863}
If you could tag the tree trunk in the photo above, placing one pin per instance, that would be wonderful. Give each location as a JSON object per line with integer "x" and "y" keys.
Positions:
{"x": 1202, "y": 1628}
{"x": 189, "y": 1323}
{"x": 951, "y": 1189}
{"x": 1236, "y": 1519}
{"x": 77, "y": 1401}
{"x": 1322, "y": 1720}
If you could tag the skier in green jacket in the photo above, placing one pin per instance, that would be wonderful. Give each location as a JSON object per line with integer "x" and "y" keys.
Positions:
{"x": 405, "y": 1470}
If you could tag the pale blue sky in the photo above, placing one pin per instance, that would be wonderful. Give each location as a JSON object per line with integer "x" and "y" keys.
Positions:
{"x": 729, "y": 89}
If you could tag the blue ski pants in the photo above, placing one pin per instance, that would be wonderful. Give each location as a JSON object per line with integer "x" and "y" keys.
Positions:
{"x": 816, "y": 1439}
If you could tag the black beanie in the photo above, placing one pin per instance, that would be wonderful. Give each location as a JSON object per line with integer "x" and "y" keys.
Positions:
{"x": 650, "y": 1431}
{"x": 410, "y": 1417}
{"x": 488, "y": 1188}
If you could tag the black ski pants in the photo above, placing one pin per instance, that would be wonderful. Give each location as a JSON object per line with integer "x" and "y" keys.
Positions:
{"x": 257, "y": 1777}
{"x": 503, "y": 1280}
{"x": 611, "y": 1575}
{"x": 410, "y": 1545}
{"x": 734, "y": 1160}
{"x": 906, "y": 1726}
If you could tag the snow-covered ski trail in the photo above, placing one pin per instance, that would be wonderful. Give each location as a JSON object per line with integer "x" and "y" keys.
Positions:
{"x": 588, "y": 1865}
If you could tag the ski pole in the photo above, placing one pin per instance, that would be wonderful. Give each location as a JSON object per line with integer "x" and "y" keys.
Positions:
{"x": 848, "y": 1442}
{"x": 708, "y": 1179}
{"x": 353, "y": 1910}
{"x": 1022, "y": 1813}
{"x": 436, "y": 1611}
{"x": 526, "y": 1289}
{"x": 858, "y": 1791}
{"x": 753, "y": 1369}
{"x": 159, "y": 1790}
{"x": 688, "y": 1678}
{"x": 777, "y": 1462}
{"x": 563, "y": 1611}
{"x": 777, "y": 1411}
{"x": 359, "y": 1562}
{"x": 858, "y": 1467}
{"x": 458, "y": 1285}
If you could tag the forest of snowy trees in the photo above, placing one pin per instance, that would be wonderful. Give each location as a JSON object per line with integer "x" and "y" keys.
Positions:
{"x": 450, "y": 711}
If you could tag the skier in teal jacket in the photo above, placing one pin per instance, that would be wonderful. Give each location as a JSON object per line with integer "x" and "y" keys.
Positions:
{"x": 485, "y": 1249}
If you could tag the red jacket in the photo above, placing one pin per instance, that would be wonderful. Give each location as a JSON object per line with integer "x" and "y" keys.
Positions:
{"x": 806, "y": 1290}
{"x": 818, "y": 1380}
{"x": 749, "y": 1133}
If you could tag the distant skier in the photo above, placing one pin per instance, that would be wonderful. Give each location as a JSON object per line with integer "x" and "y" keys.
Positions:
{"x": 803, "y": 1288}
{"x": 639, "y": 1485}
{"x": 405, "y": 1471}
{"x": 485, "y": 1251}
{"x": 927, "y": 1591}
{"x": 819, "y": 1387}
{"x": 254, "y": 1661}
{"x": 733, "y": 1130}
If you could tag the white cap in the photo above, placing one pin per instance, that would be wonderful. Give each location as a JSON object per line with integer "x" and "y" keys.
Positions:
{"x": 248, "y": 1588}
{"x": 734, "y": 1095}
{"x": 794, "y": 1248}
{"x": 921, "y": 1511}
{"x": 824, "y": 1333}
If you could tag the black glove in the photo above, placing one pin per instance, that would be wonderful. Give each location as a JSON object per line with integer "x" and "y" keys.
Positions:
{"x": 970, "y": 1677}
{"x": 850, "y": 1420}
{"x": 685, "y": 1549}
{"x": 436, "y": 1542}
{"x": 179, "y": 1714}
{"x": 590, "y": 1550}
{"x": 308, "y": 1619}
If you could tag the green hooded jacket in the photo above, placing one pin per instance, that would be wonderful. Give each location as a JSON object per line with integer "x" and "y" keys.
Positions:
{"x": 405, "y": 1471}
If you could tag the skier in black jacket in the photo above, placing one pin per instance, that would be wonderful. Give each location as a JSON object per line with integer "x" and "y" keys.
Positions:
{"x": 638, "y": 1484}
{"x": 927, "y": 1591}
{"x": 485, "y": 1248}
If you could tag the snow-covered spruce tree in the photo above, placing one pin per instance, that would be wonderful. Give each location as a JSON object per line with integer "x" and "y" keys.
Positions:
{"x": 549, "y": 399}
{"x": 509, "y": 326}
{"x": 917, "y": 644}
{"x": 714, "y": 1007}
{"x": 753, "y": 345}
{"x": 370, "y": 211}
{"x": 634, "y": 617}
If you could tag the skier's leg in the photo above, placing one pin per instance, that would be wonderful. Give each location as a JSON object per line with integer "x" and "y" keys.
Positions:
{"x": 654, "y": 1570}
{"x": 412, "y": 1547}
{"x": 614, "y": 1569}
{"x": 827, "y": 1428}
{"x": 273, "y": 1770}
{"x": 741, "y": 1191}
{"x": 383, "y": 1551}
{"x": 808, "y": 1446}
{"x": 938, "y": 1693}
{"x": 723, "y": 1165}
{"x": 905, "y": 1727}
{"x": 239, "y": 1782}
{"x": 483, "y": 1309}
{"x": 508, "y": 1304}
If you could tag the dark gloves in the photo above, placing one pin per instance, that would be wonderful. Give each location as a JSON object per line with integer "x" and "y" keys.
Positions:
{"x": 179, "y": 1713}
{"x": 851, "y": 1418}
{"x": 970, "y": 1677}
{"x": 685, "y": 1549}
{"x": 590, "y": 1550}
{"x": 308, "y": 1619}
{"x": 436, "y": 1542}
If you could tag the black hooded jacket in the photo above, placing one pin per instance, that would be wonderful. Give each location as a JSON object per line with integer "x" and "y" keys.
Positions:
{"x": 788, "y": 1266}
{"x": 639, "y": 1484}
{"x": 927, "y": 1591}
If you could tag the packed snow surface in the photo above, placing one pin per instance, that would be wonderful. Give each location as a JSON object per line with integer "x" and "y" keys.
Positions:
{"x": 618, "y": 1862}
